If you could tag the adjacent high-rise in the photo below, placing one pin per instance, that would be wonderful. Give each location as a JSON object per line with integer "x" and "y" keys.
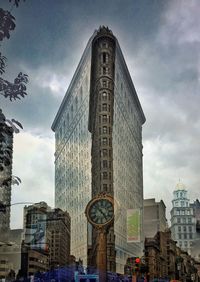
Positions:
{"x": 154, "y": 217}
{"x": 98, "y": 132}
{"x": 46, "y": 238}
{"x": 183, "y": 222}
{"x": 6, "y": 147}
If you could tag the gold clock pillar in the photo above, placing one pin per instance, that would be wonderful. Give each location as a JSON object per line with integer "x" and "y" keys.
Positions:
{"x": 101, "y": 258}
{"x": 100, "y": 213}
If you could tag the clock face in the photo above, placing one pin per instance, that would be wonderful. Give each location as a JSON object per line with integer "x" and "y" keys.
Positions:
{"x": 101, "y": 212}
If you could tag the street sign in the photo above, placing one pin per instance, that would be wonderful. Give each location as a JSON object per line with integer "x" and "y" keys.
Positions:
{"x": 78, "y": 277}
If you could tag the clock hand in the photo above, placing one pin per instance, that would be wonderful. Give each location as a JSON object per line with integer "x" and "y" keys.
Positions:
{"x": 103, "y": 213}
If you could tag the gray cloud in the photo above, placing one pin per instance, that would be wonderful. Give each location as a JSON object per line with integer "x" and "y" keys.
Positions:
{"x": 166, "y": 75}
{"x": 160, "y": 42}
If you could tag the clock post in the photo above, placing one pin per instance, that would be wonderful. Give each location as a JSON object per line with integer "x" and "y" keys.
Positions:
{"x": 100, "y": 213}
{"x": 101, "y": 259}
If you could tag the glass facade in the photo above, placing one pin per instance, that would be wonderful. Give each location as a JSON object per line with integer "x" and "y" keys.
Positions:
{"x": 73, "y": 159}
{"x": 127, "y": 161}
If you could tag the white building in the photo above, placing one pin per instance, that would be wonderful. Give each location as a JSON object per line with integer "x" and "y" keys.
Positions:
{"x": 183, "y": 222}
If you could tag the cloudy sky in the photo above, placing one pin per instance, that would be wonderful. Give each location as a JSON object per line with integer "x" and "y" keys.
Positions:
{"x": 160, "y": 41}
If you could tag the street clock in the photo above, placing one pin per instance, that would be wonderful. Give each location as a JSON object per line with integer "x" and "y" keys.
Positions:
{"x": 100, "y": 210}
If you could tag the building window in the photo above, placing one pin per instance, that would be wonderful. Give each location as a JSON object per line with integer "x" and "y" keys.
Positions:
{"x": 104, "y": 96}
{"x": 105, "y": 129}
{"x": 105, "y": 175}
{"x": 105, "y": 163}
{"x": 104, "y": 141}
{"x": 104, "y": 107}
{"x": 104, "y": 57}
{"x": 185, "y": 243}
{"x": 104, "y": 83}
{"x": 185, "y": 236}
{"x": 190, "y": 235}
{"x": 178, "y": 220}
{"x": 76, "y": 102}
{"x": 105, "y": 118}
{"x": 179, "y": 228}
{"x": 179, "y": 236}
{"x": 81, "y": 93}
{"x": 105, "y": 186}
{"x": 105, "y": 70}
{"x": 189, "y": 220}
{"x": 60, "y": 132}
{"x": 105, "y": 152}
{"x": 184, "y": 220}
{"x": 184, "y": 228}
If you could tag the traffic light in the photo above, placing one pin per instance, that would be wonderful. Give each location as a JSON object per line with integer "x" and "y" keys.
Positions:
{"x": 137, "y": 264}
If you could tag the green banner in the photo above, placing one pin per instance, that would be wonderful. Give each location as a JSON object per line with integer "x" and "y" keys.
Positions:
{"x": 133, "y": 225}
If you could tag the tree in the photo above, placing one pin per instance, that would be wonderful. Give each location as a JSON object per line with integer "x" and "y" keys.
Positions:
{"x": 12, "y": 90}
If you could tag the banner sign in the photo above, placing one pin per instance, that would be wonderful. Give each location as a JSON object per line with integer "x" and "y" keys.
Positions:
{"x": 133, "y": 225}
{"x": 35, "y": 236}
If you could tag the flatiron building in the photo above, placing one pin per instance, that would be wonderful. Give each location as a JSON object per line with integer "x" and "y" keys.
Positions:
{"x": 98, "y": 133}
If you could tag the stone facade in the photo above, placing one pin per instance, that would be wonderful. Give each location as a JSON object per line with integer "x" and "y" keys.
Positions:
{"x": 58, "y": 224}
{"x": 100, "y": 126}
{"x": 160, "y": 255}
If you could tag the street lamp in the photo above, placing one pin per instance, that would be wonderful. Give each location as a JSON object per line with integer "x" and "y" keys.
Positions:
{"x": 3, "y": 206}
